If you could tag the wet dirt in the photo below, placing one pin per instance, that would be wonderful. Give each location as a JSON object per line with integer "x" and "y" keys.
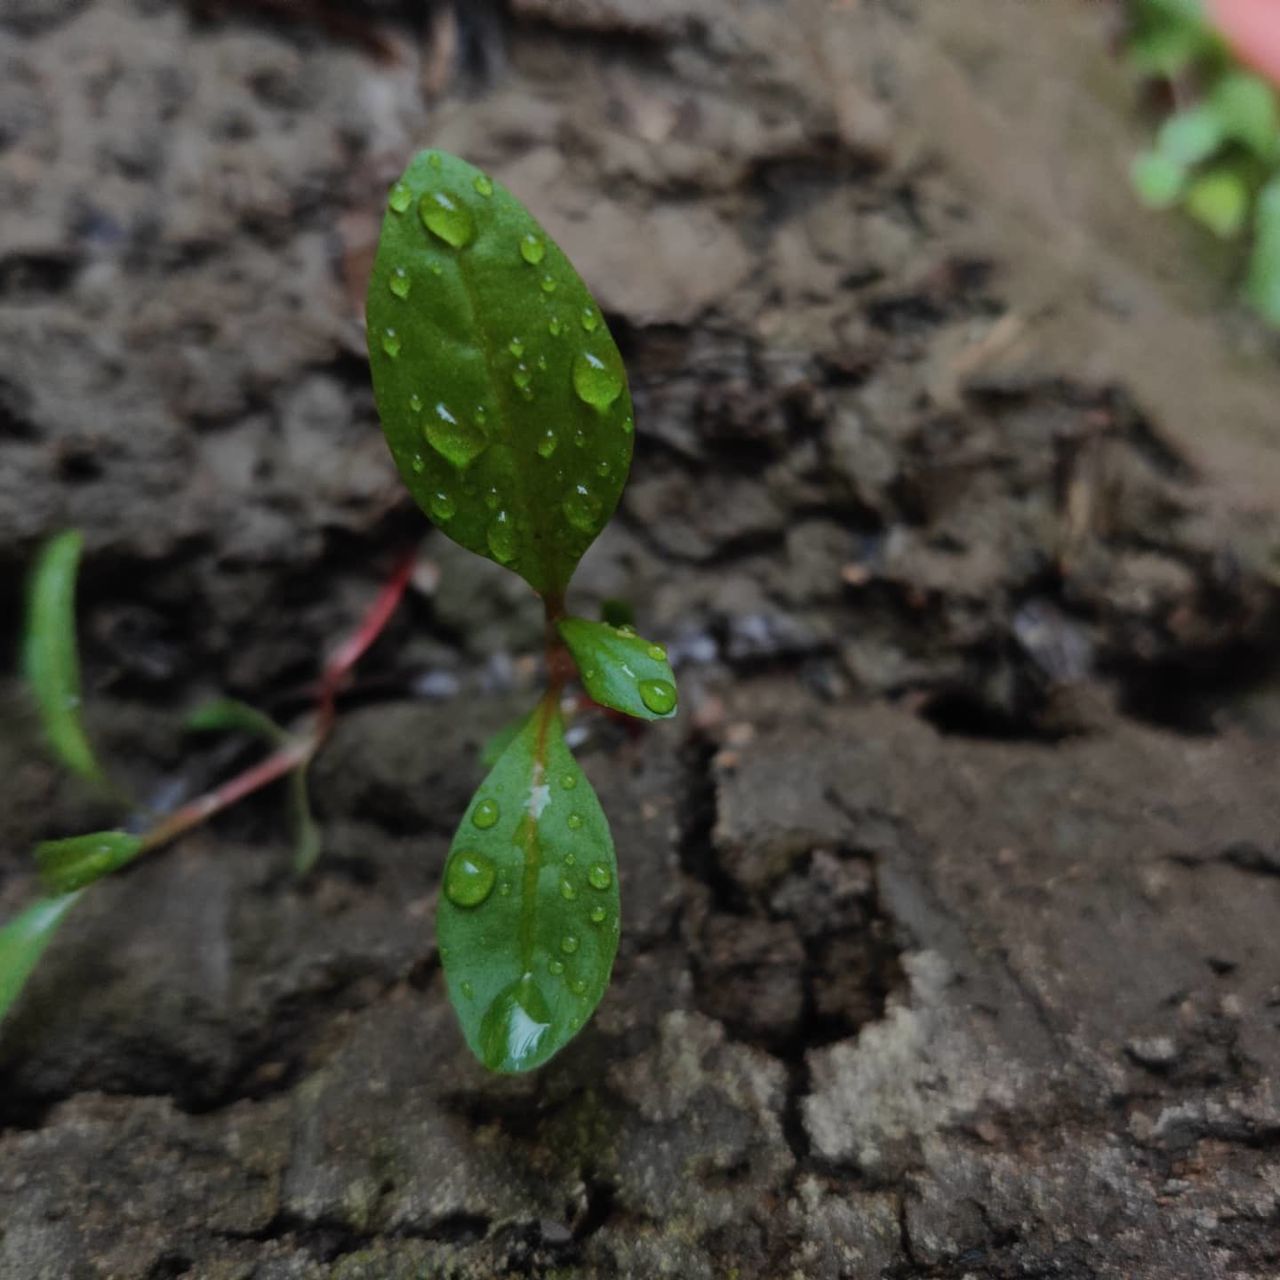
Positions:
{"x": 949, "y": 942}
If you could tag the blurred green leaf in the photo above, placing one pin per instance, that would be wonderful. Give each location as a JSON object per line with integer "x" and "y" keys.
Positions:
{"x": 1190, "y": 136}
{"x": 501, "y": 392}
{"x": 23, "y": 940}
{"x": 620, "y": 669}
{"x": 50, "y": 659}
{"x": 528, "y": 918}
{"x": 1262, "y": 287}
{"x": 1245, "y": 106}
{"x": 1157, "y": 179}
{"x": 1169, "y": 36}
{"x": 70, "y": 864}
{"x": 1220, "y": 200}
{"x": 306, "y": 834}
{"x": 232, "y": 716}
{"x": 617, "y": 613}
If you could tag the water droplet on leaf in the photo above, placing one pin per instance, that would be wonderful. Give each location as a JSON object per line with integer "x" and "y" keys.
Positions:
{"x": 516, "y": 347}
{"x": 556, "y": 967}
{"x": 485, "y": 814}
{"x": 400, "y": 197}
{"x": 532, "y": 250}
{"x": 458, "y": 442}
{"x": 569, "y": 943}
{"x": 657, "y": 653}
{"x": 598, "y": 915}
{"x": 391, "y": 342}
{"x": 567, "y": 891}
{"x": 658, "y": 695}
{"x": 468, "y": 879}
{"x": 442, "y": 506}
{"x": 415, "y": 402}
{"x": 574, "y": 823}
{"x": 582, "y": 509}
{"x": 554, "y": 327}
{"x": 501, "y": 537}
{"x": 522, "y": 376}
{"x": 546, "y": 446}
{"x": 447, "y": 218}
{"x": 514, "y": 1026}
{"x": 578, "y": 987}
{"x": 594, "y": 382}
{"x": 467, "y": 990}
{"x": 483, "y": 185}
{"x": 548, "y": 284}
{"x": 399, "y": 283}
{"x": 599, "y": 876}
{"x": 568, "y": 781}
{"x": 589, "y": 319}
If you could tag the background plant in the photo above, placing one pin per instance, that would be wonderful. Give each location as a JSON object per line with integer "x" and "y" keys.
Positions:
{"x": 504, "y": 400}
{"x": 1217, "y": 154}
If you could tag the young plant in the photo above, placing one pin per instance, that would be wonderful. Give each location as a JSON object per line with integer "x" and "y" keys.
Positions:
{"x": 504, "y": 401}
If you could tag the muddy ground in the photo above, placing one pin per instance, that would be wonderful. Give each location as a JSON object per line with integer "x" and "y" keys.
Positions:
{"x": 950, "y": 943}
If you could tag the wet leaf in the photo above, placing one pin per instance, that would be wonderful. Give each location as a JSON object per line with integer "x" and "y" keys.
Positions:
{"x": 50, "y": 659}
{"x": 23, "y": 940}
{"x": 66, "y": 865}
{"x": 529, "y": 913}
{"x": 1263, "y": 284}
{"x": 622, "y": 670}
{"x": 501, "y": 393}
{"x": 229, "y": 715}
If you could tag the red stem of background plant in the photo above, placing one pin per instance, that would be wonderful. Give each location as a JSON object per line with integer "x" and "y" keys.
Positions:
{"x": 300, "y": 751}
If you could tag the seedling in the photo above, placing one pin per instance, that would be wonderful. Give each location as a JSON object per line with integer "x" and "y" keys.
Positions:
{"x": 504, "y": 401}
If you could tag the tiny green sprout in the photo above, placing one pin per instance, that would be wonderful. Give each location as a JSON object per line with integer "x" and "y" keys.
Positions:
{"x": 504, "y": 401}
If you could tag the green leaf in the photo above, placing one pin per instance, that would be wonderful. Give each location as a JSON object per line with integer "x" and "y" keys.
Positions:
{"x": 1220, "y": 200}
{"x": 23, "y": 940}
{"x": 1263, "y": 285}
{"x": 1157, "y": 180}
{"x": 620, "y": 669}
{"x": 229, "y": 715}
{"x": 501, "y": 392}
{"x": 497, "y": 743}
{"x": 1245, "y": 106}
{"x": 307, "y": 843}
{"x": 528, "y": 918}
{"x": 1169, "y": 36}
{"x": 50, "y": 659}
{"x": 70, "y": 864}
{"x": 1190, "y": 136}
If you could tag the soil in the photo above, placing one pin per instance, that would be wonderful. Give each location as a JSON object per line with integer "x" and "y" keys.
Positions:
{"x": 950, "y": 898}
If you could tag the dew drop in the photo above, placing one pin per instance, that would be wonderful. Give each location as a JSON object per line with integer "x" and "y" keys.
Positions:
{"x": 554, "y": 327}
{"x": 391, "y": 342}
{"x": 516, "y": 347}
{"x": 415, "y": 402}
{"x": 556, "y": 967}
{"x": 458, "y": 442}
{"x": 501, "y": 538}
{"x": 436, "y": 269}
{"x": 514, "y": 1026}
{"x": 504, "y": 888}
{"x": 569, "y": 943}
{"x": 485, "y": 815}
{"x": 568, "y": 781}
{"x": 468, "y": 990}
{"x": 548, "y": 284}
{"x": 658, "y": 695}
{"x": 468, "y": 879}
{"x": 598, "y": 915}
{"x": 400, "y": 197}
{"x": 626, "y": 631}
{"x": 522, "y": 375}
{"x": 418, "y": 465}
{"x": 628, "y": 425}
{"x": 442, "y": 506}
{"x": 546, "y": 446}
{"x": 399, "y": 283}
{"x": 593, "y": 380}
{"x": 570, "y": 860}
{"x": 433, "y": 159}
{"x": 447, "y": 218}
{"x": 532, "y": 250}
{"x": 579, "y": 987}
{"x": 542, "y": 363}
{"x": 481, "y": 415}
{"x": 657, "y": 653}
{"x": 582, "y": 509}
{"x": 599, "y": 876}
{"x": 492, "y": 499}
{"x": 602, "y": 469}
{"x": 589, "y": 319}
{"x": 567, "y": 891}
{"x": 574, "y": 823}
{"x": 483, "y": 185}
